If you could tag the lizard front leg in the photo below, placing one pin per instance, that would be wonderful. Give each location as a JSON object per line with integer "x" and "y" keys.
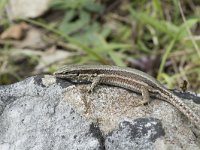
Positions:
{"x": 95, "y": 82}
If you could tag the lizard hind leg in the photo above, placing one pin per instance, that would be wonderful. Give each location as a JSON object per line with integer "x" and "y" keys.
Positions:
{"x": 141, "y": 100}
{"x": 145, "y": 96}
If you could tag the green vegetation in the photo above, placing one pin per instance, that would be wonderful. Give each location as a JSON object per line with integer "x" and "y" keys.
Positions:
{"x": 158, "y": 37}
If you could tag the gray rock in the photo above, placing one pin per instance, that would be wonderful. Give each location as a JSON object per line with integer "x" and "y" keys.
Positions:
{"x": 141, "y": 134}
{"x": 44, "y": 113}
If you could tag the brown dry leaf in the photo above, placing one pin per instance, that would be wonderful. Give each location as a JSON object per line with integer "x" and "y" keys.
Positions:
{"x": 33, "y": 40}
{"x": 51, "y": 56}
{"x": 15, "y": 31}
{"x": 45, "y": 58}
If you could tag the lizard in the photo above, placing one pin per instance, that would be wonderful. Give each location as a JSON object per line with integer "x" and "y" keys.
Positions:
{"x": 127, "y": 78}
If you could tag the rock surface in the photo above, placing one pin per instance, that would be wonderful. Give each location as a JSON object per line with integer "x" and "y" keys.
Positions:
{"x": 43, "y": 113}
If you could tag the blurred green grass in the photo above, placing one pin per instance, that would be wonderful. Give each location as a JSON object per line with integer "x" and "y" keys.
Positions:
{"x": 149, "y": 35}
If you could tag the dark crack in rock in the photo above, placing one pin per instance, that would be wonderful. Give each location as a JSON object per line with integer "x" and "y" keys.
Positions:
{"x": 139, "y": 134}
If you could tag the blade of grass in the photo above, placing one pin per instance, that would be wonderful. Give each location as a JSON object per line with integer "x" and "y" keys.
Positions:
{"x": 2, "y": 5}
{"x": 158, "y": 8}
{"x": 117, "y": 59}
{"x": 112, "y": 46}
{"x": 161, "y": 25}
{"x": 165, "y": 56}
{"x": 69, "y": 39}
{"x": 180, "y": 34}
{"x": 188, "y": 30}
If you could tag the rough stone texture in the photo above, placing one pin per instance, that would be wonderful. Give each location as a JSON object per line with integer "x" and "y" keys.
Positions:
{"x": 42, "y": 113}
{"x": 142, "y": 134}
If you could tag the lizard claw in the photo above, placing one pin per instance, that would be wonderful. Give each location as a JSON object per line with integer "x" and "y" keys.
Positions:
{"x": 90, "y": 89}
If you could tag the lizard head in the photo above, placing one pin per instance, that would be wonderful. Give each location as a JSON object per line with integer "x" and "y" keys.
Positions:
{"x": 74, "y": 72}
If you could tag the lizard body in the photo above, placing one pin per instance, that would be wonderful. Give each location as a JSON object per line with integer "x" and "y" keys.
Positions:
{"x": 127, "y": 78}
